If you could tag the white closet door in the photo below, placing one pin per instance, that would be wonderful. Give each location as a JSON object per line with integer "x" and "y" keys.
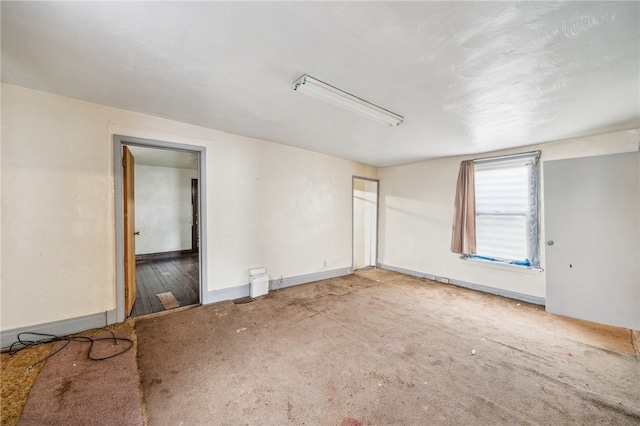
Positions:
{"x": 365, "y": 223}
{"x": 592, "y": 232}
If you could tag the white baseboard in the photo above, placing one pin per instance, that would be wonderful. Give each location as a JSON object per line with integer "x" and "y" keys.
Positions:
{"x": 244, "y": 290}
{"x": 60, "y": 328}
{"x": 276, "y": 284}
{"x": 227, "y": 294}
{"x": 479, "y": 287}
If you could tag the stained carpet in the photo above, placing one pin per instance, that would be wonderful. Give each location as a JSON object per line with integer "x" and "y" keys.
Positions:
{"x": 380, "y": 348}
{"x": 73, "y": 390}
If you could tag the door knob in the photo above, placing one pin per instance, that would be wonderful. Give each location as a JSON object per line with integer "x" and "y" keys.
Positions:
{"x": 550, "y": 242}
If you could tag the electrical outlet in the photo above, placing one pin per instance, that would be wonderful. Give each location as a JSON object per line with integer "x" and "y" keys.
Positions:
{"x": 444, "y": 280}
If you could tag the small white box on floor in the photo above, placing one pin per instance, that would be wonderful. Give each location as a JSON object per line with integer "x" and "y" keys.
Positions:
{"x": 259, "y": 281}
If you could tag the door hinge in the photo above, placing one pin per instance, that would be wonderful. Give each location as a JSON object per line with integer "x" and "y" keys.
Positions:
{"x": 124, "y": 162}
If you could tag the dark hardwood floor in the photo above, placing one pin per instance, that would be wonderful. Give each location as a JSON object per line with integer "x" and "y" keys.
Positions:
{"x": 179, "y": 275}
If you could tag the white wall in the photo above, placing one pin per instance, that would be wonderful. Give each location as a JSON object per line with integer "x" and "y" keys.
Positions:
{"x": 417, "y": 212}
{"x": 163, "y": 208}
{"x": 268, "y": 205}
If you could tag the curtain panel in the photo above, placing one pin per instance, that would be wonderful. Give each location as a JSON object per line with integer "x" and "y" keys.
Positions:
{"x": 463, "y": 235}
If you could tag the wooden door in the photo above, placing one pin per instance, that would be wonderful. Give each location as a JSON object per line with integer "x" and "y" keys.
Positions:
{"x": 128, "y": 164}
{"x": 592, "y": 223}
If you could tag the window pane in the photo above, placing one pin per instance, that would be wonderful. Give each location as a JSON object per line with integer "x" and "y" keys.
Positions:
{"x": 506, "y": 195}
{"x": 504, "y": 237}
{"x": 502, "y": 190}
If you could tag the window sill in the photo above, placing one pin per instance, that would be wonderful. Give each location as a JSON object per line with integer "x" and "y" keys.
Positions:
{"x": 495, "y": 264}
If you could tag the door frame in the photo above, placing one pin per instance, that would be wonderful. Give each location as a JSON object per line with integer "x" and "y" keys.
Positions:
{"x": 118, "y": 142}
{"x": 195, "y": 219}
{"x": 353, "y": 187}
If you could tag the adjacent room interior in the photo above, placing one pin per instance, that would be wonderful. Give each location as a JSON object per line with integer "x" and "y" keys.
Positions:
{"x": 320, "y": 213}
{"x": 165, "y": 214}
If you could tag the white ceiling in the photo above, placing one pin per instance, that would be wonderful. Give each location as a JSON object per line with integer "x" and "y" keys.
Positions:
{"x": 468, "y": 77}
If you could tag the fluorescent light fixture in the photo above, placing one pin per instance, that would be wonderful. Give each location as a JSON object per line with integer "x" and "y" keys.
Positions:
{"x": 330, "y": 94}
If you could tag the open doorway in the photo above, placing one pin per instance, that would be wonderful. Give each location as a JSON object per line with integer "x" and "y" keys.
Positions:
{"x": 365, "y": 223}
{"x": 158, "y": 210}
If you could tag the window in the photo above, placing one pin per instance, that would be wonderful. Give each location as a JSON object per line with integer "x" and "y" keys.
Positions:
{"x": 507, "y": 213}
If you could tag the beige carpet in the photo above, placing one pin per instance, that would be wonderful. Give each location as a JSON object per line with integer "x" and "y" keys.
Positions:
{"x": 73, "y": 390}
{"x": 380, "y": 348}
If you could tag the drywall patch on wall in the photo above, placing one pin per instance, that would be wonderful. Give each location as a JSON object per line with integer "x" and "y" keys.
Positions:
{"x": 164, "y": 214}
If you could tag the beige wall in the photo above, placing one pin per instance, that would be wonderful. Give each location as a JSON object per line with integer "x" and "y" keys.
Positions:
{"x": 268, "y": 205}
{"x": 417, "y": 211}
{"x": 164, "y": 213}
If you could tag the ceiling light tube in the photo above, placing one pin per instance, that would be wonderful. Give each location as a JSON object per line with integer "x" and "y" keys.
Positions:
{"x": 330, "y": 94}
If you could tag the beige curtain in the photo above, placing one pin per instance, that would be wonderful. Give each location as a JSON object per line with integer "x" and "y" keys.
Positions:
{"x": 463, "y": 237}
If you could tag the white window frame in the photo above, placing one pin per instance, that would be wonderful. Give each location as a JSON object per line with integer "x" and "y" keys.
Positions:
{"x": 531, "y": 212}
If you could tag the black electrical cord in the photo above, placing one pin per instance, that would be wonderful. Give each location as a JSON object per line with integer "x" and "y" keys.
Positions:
{"x": 23, "y": 344}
